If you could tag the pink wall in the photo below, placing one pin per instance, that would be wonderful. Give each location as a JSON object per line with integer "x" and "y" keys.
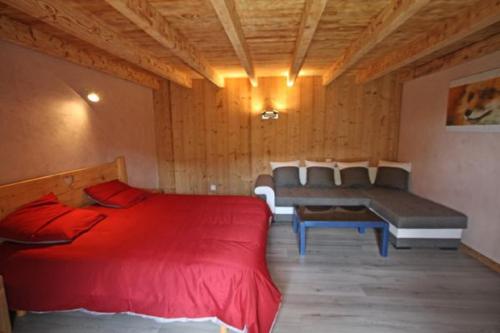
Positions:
{"x": 46, "y": 126}
{"x": 458, "y": 169}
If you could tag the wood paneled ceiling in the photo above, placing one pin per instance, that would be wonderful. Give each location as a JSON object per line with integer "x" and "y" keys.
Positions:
{"x": 184, "y": 39}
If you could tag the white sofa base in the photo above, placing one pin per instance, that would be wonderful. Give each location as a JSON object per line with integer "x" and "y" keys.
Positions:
{"x": 399, "y": 236}
{"x": 425, "y": 233}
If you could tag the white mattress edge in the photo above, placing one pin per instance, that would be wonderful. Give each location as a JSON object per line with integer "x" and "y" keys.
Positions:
{"x": 214, "y": 320}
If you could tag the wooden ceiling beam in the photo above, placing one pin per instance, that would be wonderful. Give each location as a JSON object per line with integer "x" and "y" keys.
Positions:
{"x": 59, "y": 14}
{"x": 470, "y": 52}
{"x": 452, "y": 30}
{"x": 151, "y": 21}
{"x": 24, "y": 35}
{"x": 228, "y": 17}
{"x": 310, "y": 19}
{"x": 388, "y": 21}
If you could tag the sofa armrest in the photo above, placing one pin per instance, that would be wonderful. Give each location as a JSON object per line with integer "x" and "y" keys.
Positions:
{"x": 264, "y": 187}
{"x": 265, "y": 180}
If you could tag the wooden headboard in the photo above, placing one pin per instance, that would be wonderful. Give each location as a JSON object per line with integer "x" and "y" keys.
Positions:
{"x": 68, "y": 186}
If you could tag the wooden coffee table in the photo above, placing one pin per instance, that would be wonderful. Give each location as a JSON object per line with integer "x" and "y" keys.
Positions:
{"x": 358, "y": 217}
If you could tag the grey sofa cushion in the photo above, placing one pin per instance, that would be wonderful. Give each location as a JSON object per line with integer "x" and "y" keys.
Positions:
{"x": 355, "y": 177}
{"x": 390, "y": 177}
{"x": 286, "y": 177}
{"x": 320, "y": 177}
{"x": 407, "y": 210}
{"x": 302, "y": 195}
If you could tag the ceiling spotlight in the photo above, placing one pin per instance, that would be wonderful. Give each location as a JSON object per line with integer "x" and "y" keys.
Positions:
{"x": 93, "y": 97}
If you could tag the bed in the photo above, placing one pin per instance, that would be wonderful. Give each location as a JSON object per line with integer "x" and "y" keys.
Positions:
{"x": 175, "y": 257}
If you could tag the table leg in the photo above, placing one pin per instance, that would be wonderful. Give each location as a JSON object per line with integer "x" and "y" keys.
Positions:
{"x": 385, "y": 240}
{"x": 302, "y": 239}
{"x": 295, "y": 224}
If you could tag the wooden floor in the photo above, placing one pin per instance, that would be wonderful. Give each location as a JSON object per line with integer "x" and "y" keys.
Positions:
{"x": 342, "y": 285}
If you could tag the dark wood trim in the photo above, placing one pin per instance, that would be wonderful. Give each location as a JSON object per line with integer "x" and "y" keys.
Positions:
{"x": 490, "y": 263}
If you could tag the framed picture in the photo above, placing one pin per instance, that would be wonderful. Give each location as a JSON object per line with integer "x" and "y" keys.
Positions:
{"x": 474, "y": 102}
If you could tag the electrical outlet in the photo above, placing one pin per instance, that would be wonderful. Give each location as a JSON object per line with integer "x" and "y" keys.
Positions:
{"x": 328, "y": 160}
{"x": 213, "y": 187}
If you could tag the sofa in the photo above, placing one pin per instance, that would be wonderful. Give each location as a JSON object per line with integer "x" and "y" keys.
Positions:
{"x": 414, "y": 221}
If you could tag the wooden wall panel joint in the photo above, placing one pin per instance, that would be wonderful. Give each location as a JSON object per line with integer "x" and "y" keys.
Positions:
{"x": 164, "y": 137}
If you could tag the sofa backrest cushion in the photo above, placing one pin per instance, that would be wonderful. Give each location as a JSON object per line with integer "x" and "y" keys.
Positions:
{"x": 286, "y": 176}
{"x": 394, "y": 164}
{"x": 355, "y": 177}
{"x": 320, "y": 177}
{"x": 392, "y": 177}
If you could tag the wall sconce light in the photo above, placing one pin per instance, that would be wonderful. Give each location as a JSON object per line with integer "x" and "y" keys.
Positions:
{"x": 270, "y": 113}
{"x": 93, "y": 97}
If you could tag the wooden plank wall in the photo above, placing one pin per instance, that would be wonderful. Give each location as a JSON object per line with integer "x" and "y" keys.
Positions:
{"x": 219, "y": 138}
{"x": 211, "y": 137}
{"x": 164, "y": 137}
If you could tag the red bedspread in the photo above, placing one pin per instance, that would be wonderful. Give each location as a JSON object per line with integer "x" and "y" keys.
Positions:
{"x": 170, "y": 256}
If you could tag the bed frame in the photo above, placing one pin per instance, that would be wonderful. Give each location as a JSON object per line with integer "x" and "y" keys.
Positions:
{"x": 68, "y": 186}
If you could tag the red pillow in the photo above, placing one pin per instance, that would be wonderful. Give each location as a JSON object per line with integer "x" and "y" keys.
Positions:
{"x": 104, "y": 191}
{"x": 25, "y": 221}
{"x": 46, "y": 220}
{"x": 69, "y": 226}
{"x": 115, "y": 194}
